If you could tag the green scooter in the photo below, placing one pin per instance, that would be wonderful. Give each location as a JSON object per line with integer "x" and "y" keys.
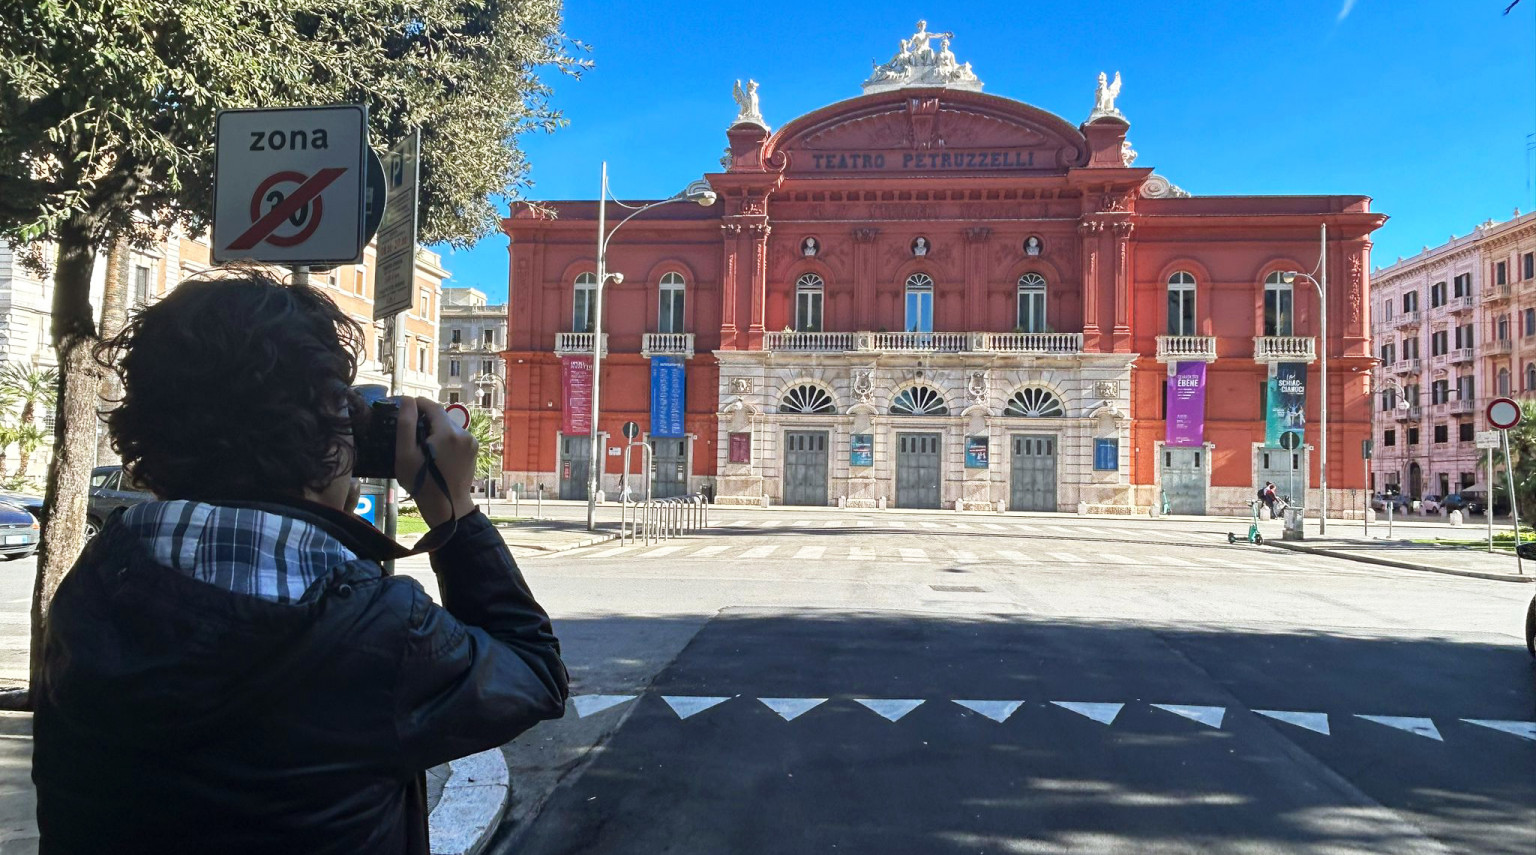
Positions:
{"x": 1254, "y": 536}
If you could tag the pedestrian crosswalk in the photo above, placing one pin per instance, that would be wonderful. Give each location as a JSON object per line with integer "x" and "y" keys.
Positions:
{"x": 1108, "y": 714}
{"x": 1030, "y": 526}
{"x": 1104, "y": 554}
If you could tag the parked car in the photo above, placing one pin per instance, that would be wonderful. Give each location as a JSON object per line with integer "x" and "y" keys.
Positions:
{"x": 1464, "y": 503}
{"x": 1477, "y": 500}
{"x": 19, "y": 532}
{"x": 28, "y": 502}
{"x": 1399, "y": 503}
{"x": 111, "y": 489}
{"x": 1430, "y": 504}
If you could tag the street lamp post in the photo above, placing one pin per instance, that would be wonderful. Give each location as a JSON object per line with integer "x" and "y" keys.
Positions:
{"x": 700, "y": 193}
{"x": 485, "y": 383}
{"x": 1402, "y": 404}
{"x": 1322, "y": 297}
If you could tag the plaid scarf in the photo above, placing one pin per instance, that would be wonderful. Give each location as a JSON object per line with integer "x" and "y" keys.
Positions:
{"x": 256, "y": 553}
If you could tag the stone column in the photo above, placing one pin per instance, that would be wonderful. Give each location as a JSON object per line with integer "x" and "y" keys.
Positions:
{"x": 730, "y": 272}
{"x": 1123, "y": 279}
{"x": 863, "y": 316}
{"x": 758, "y": 280}
{"x": 977, "y": 240}
{"x": 1092, "y": 232}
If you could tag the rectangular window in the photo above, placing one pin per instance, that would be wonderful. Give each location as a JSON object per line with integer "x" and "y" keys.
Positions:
{"x": 1411, "y": 395}
{"x": 422, "y": 361}
{"x": 488, "y": 338}
{"x": 1386, "y": 310}
{"x": 808, "y": 308}
{"x": 1440, "y": 392}
{"x": 453, "y": 368}
{"x": 670, "y": 315}
{"x": 1500, "y": 273}
{"x": 1410, "y": 302}
{"x": 488, "y": 366}
{"x": 1181, "y": 311}
{"x": 1463, "y": 336}
{"x": 1528, "y": 266}
{"x": 140, "y": 285}
{"x": 1389, "y": 438}
{"x": 1437, "y": 295}
{"x": 453, "y": 397}
{"x": 1464, "y": 432}
{"x": 1501, "y": 330}
{"x": 1413, "y": 436}
{"x": 1031, "y": 314}
{"x": 1388, "y": 354}
{"x": 1388, "y": 400}
{"x": 583, "y": 308}
{"x": 919, "y": 308}
{"x": 1106, "y": 455}
{"x": 425, "y": 306}
{"x": 1463, "y": 285}
{"x": 1278, "y": 315}
{"x": 1442, "y": 434}
{"x": 1530, "y": 322}
{"x": 455, "y": 336}
{"x": 1464, "y": 390}
{"x": 1438, "y": 342}
{"x": 1411, "y": 348}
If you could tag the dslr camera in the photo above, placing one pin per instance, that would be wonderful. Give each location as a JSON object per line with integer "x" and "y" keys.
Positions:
{"x": 374, "y": 429}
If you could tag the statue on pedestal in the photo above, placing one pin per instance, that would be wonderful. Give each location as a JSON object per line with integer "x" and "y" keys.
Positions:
{"x": 1104, "y": 98}
{"x": 746, "y": 105}
{"x": 916, "y": 63}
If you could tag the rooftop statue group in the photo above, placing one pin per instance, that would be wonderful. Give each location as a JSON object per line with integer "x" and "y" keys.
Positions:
{"x": 918, "y": 64}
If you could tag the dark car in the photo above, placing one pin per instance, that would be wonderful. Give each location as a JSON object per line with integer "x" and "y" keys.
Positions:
{"x": 32, "y": 504}
{"x": 111, "y": 489}
{"x": 18, "y": 531}
{"x": 1477, "y": 502}
{"x": 1399, "y": 503}
{"x": 1464, "y": 502}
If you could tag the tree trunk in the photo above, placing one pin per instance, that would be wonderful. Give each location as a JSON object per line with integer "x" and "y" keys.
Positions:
{"x": 64, "y": 506}
{"x": 114, "y": 316}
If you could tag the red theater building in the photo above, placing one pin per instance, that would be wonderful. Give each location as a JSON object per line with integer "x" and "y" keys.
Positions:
{"x": 932, "y": 297}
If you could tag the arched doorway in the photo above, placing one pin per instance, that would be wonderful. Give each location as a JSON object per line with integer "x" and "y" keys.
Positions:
{"x": 1415, "y": 482}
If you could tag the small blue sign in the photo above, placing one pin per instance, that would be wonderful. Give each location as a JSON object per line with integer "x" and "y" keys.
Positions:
{"x": 367, "y": 509}
{"x": 667, "y": 398}
{"x": 1106, "y": 455}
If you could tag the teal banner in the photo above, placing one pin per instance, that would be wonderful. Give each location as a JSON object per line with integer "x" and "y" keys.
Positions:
{"x": 1285, "y": 418}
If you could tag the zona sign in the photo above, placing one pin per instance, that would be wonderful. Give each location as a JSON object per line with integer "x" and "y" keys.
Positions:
{"x": 1503, "y": 413}
{"x": 290, "y": 185}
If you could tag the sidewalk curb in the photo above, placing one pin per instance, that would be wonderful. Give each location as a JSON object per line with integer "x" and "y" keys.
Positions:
{"x": 472, "y": 804}
{"x": 1401, "y": 565}
{"x": 564, "y": 547}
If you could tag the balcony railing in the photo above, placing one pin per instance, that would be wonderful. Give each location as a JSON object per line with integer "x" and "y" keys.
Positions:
{"x": 578, "y": 342}
{"x": 1186, "y": 348}
{"x": 1284, "y": 348}
{"x": 667, "y": 344}
{"x": 1463, "y": 407}
{"x": 1501, "y": 345}
{"x": 1412, "y": 414}
{"x": 1461, "y": 354}
{"x": 1439, "y": 411}
{"x": 924, "y": 342}
{"x": 1407, "y": 366}
{"x": 1409, "y": 319}
{"x": 1464, "y": 303}
{"x": 1497, "y": 292}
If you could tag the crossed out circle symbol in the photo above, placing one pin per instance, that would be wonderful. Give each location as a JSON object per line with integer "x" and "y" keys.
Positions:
{"x": 269, "y": 195}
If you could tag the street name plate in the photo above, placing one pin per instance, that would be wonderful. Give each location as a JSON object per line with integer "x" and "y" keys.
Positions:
{"x": 1487, "y": 439}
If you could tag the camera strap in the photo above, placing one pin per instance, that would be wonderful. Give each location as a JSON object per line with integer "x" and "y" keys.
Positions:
{"x": 439, "y": 534}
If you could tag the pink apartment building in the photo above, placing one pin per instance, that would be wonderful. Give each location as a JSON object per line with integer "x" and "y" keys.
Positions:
{"x": 1454, "y": 326}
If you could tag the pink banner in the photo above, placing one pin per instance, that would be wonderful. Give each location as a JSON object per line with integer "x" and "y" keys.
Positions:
{"x": 1186, "y": 405}
{"x": 576, "y": 381}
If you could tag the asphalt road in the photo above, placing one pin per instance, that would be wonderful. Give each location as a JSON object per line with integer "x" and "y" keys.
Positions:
{"x": 797, "y": 688}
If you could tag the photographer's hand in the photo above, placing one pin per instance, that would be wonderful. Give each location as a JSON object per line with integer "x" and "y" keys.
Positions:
{"x": 453, "y": 450}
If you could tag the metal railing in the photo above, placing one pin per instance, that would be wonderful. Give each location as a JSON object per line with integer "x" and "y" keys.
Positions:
{"x": 653, "y": 520}
{"x": 667, "y": 344}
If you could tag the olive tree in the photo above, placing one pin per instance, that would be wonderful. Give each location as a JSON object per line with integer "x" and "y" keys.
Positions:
{"x": 107, "y": 111}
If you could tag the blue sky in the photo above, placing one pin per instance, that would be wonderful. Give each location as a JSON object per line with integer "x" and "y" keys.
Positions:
{"x": 1423, "y": 105}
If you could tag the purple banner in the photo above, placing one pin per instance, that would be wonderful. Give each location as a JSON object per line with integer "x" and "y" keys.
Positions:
{"x": 1186, "y": 406}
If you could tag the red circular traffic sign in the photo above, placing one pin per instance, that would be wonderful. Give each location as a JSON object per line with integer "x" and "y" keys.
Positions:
{"x": 1503, "y": 413}
{"x": 268, "y": 196}
{"x": 463, "y": 413}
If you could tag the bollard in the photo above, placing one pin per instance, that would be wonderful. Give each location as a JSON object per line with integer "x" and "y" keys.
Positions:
{"x": 539, "y": 513}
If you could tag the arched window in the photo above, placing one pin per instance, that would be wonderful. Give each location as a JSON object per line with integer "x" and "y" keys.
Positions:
{"x": 1035, "y": 403}
{"x": 918, "y": 401}
{"x": 809, "y": 292}
{"x": 920, "y": 303}
{"x": 807, "y": 399}
{"x": 1278, "y": 306}
{"x": 1503, "y": 381}
{"x": 670, "y": 316}
{"x": 1530, "y": 376}
{"x": 584, "y": 306}
{"x": 1181, "y": 304}
{"x": 1031, "y": 312}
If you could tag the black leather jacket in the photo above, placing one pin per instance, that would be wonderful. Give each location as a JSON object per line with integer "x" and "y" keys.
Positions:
{"x": 177, "y": 717}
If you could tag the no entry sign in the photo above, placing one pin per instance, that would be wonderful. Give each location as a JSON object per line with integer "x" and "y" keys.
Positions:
{"x": 1503, "y": 413}
{"x": 289, "y": 185}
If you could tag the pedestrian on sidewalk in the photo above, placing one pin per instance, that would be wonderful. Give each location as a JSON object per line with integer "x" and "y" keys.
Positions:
{"x": 228, "y": 669}
{"x": 1269, "y": 496}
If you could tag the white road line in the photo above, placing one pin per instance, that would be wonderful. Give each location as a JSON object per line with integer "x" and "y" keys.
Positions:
{"x": 770, "y": 523}
{"x": 1015, "y": 556}
{"x": 809, "y": 552}
{"x": 659, "y": 551}
{"x": 738, "y": 524}
{"x": 994, "y": 526}
{"x": 759, "y": 552}
{"x": 965, "y": 557}
{"x": 966, "y": 526}
{"x": 805, "y": 523}
{"x": 607, "y": 552}
{"x": 1116, "y": 559}
{"x": 910, "y": 554}
{"x": 833, "y": 523}
{"x": 711, "y": 550}
{"x": 927, "y": 524}
{"x": 860, "y": 553}
{"x": 1167, "y": 560}
{"x": 1067, "y": 557}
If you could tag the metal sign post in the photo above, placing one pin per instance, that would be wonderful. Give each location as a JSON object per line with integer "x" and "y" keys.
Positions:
{"x": 1488, "y": 440}
{"x": 1514, "y": 506}
{"x": 1366, "y": 448}
{"x": 1504, "y": 413}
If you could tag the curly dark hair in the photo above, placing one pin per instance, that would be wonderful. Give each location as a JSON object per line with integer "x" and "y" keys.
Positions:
{"x": 235, "y": 386}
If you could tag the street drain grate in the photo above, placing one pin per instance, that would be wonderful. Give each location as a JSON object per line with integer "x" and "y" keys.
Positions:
{"x": 959, "y": 589}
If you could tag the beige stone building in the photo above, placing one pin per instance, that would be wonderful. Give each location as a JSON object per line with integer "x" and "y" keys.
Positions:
{"x": 471, "y": 336}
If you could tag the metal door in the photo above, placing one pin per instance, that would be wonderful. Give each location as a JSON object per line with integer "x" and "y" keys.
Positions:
{"x": 1285, "y": 469}
{"x": 669, "y": 459}
{"x": 1032, "y": 484}
{"x": 1184, "y": 480}
{"x": 574, "y": 466}
{"x": 1415, "y": 482}
{"x": 917, "y": 470}
{"x": 805, "y": 467}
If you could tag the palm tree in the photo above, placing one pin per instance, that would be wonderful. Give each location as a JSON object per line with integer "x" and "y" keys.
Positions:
{"x": 31, "y": 386}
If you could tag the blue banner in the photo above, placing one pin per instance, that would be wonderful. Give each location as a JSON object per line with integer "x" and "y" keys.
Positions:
{"x": 667, "y": 385}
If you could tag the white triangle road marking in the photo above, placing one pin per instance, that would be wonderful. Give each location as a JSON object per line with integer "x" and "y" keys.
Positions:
{"x": 792, "y": 708}
{"x": 891, "y": 709}
{"x": 1208, "y": 716}
{"x": 1417, "y": 726}
{"x": 687, "y": 705}
{"x": 1314, "y": 721}
{"x": 587, "y": 705}
{"x": 809, "y": 553}
{"x": 1101, "y": 713}
{"x": 998, "y": 711}
{"x": 1522, "y": 729}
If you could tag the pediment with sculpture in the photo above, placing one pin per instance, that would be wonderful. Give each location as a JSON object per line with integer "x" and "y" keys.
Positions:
{"x": 909, "y": 131}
